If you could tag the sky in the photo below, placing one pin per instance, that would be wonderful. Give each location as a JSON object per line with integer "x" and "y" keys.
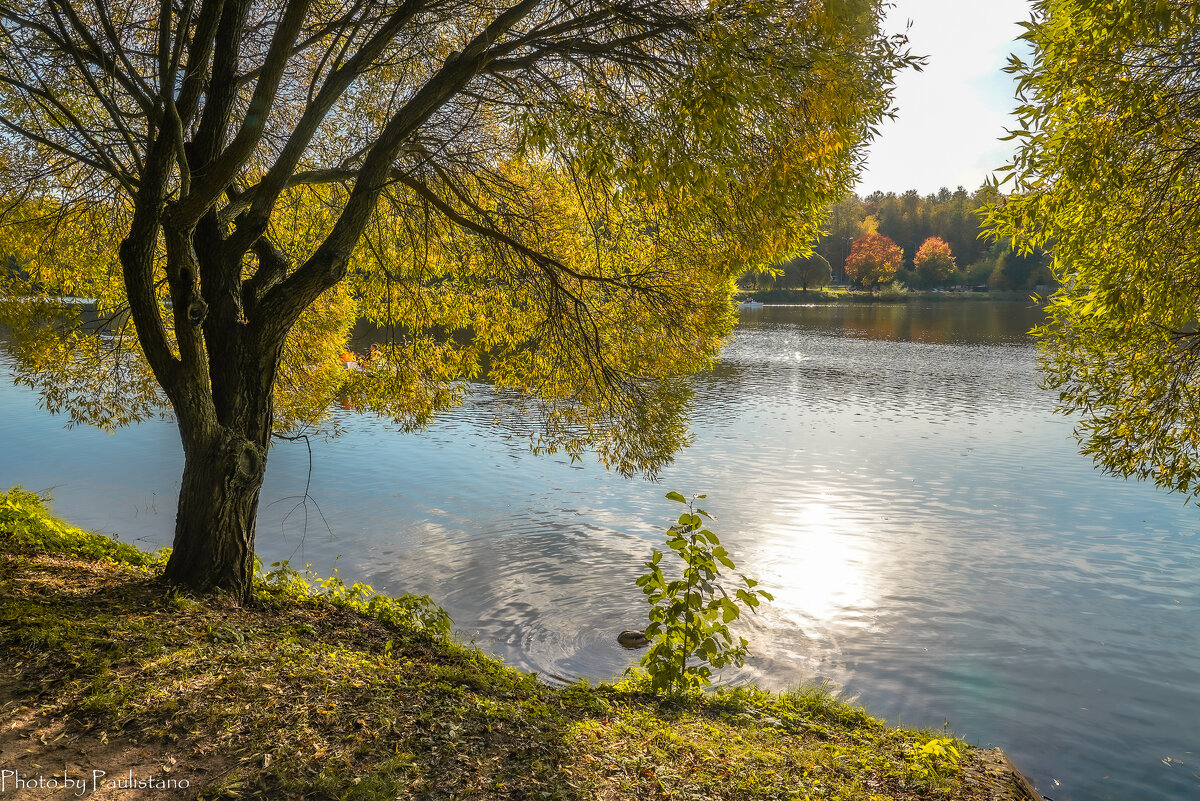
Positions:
{"x": 952, "y": 114}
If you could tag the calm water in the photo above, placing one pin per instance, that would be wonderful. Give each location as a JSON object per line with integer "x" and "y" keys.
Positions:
{"x": 936, "y": 546}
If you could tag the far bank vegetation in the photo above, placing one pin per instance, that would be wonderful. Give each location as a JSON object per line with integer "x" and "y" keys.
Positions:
{"x": 913, "y": 222}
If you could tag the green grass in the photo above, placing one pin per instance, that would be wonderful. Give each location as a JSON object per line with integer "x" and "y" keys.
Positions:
{"x": 27, "y": 526}
{"x": 322, "y": 691}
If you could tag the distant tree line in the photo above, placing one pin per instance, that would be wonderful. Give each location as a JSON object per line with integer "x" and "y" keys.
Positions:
{"x": 938, "y": 237}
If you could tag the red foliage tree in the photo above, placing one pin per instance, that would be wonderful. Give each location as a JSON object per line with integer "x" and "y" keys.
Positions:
{"x": 873, "y": 260}
{"x": 934, "y": 262}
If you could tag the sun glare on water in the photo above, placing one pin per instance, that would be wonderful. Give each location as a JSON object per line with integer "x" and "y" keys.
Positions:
{"x": 822, "y": 566}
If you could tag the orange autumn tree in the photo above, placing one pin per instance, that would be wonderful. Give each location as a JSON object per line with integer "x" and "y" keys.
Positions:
{"x": 874, "y": 259}
{"x": 934, "y": 262}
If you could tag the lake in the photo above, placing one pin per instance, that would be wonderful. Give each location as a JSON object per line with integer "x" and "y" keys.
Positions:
{"x": 892, "y": 473}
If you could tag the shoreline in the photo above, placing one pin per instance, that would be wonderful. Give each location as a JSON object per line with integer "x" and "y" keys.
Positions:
{"x": 329, "y": 691}
{"x": 813, "y": 297}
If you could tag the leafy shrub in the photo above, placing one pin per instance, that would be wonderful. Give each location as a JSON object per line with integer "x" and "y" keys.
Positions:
{"x": 689, "y": 616}
{"x": 938, "y": 758}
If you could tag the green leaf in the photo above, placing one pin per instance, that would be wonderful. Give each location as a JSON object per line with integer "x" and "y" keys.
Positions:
{"x": 729, "y": 610}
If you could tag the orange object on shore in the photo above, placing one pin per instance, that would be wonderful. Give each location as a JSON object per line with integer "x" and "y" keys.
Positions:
{"x": 348, "y": 356}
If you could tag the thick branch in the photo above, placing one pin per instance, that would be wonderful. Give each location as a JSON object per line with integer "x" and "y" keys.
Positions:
{"x": 272, "y": 268}
{"x": 199, "y": 51}
{"x": 222, "y": 83}
{"x": 335, "y": 85}
{"x": 215, "y": 176}
{"x": 137, "y": 252}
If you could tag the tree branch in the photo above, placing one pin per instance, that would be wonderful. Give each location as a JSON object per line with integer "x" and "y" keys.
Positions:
{"x": 216, "y": 175}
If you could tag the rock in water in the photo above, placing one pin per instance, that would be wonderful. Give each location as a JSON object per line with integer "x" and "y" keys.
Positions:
{"x": 632, "y": 639}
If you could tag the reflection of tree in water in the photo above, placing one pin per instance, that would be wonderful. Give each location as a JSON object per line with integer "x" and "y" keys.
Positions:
{"x": 847, "y": 355}
{"x": 792, "y": 354}
{"x": 946, "y": 322}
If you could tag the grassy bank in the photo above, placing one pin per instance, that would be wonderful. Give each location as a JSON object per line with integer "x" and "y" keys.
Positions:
{"x": 790, "y": 297}
{"x": 318, "y": 690}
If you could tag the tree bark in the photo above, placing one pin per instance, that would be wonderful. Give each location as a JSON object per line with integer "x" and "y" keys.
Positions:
{"x": 218, "y": 504}
{"x": 224, "y": 413}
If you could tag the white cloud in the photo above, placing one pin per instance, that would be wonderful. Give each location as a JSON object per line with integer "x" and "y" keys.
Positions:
{"x": 952, "y": 114}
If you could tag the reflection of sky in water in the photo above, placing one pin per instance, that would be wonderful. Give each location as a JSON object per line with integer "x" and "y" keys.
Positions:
{"x": 892, "y": 474}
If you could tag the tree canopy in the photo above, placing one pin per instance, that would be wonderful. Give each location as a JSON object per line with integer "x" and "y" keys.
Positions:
{"x": 1107, "y": 176}
{"x": 555, "y": 197}
{"x": 934, "y": 262}
{"x": 874, "y": 259}
{"x": 798, "y": 272}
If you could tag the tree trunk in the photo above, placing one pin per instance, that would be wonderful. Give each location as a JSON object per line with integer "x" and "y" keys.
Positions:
{"x": 222, "y": 396}
{"x": 218, "y": 504}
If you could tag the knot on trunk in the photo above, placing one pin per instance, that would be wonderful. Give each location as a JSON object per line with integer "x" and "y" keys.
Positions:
{"x": 197, "y": 310}
{"x": 247, "y": 461}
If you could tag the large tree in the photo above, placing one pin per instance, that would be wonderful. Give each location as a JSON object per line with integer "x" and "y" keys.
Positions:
{"x": 805, "y": 271}
{"x": 798, "y": 272}
{"x": 1107, "y": 176}
{"x": 553, "y": 195}
{"x": 874, "y": 259}
{"x": 934, "y": 263}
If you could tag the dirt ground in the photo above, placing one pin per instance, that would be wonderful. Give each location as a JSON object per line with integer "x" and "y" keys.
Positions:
{"x": 48, "y": 759}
